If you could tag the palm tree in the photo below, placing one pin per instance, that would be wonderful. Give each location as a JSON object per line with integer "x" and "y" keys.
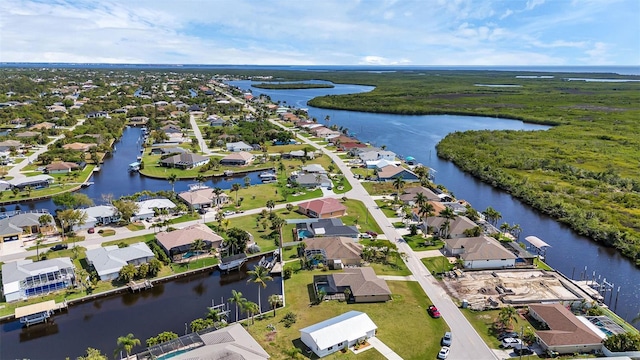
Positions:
{"x": 216, "y": 192}
{"x": 259, "y": 275}
{"x": 515, "y": 231}
{"x": 200, "y": 179}
{"x": 426, "y": 211}
{"x": 274, "y": 301}
{"x": 198, "y": 245}
{"x": 398, "y": 183}
{"x": 270, "y": 205}
{"x": 420, "y": 199}
{"x": 213, "y": 314}
{"x": 278, "y": 223}
{"x": 250, "y": 308}
{"x": 38, "y": 243}
{"x": 126, "y": 343}
{"x": 235, "y": 187}
{"x": 236, "y": 298}
{"x": 505, "y": 227}
{"x": 172, "y": 180}
{"x": 507, "y": 315}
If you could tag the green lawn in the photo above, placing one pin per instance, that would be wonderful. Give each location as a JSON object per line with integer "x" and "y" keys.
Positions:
{"x": 358, "y": 213}
{"x": 107, "y": 232}
{"x": 419, "y": 243}
{"x": 438, "y": 264}
{"x": 403, "y": 323}
{"x": 135, "y": 226}
{"x": 483, "y": 321}
{"x": 379, "y": 188}
{"x": 60, "y": 185}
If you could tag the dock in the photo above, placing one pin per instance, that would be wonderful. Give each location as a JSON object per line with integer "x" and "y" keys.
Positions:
{"x": 38, "y": 313}
{"x": 586, "y": 286}
{"x": 277, "y": 268}
{"x": 134, "y": 286}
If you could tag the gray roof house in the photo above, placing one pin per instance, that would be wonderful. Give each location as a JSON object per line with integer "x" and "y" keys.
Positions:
{"x": 409, "y": 195}
{"x": 109, "y": 260}
{"x": 146, "y": 208}
{"x": 311, "y": 180}
{"x": 456, "y": 229}
{"x": 482, "y": 252}
{"x": 314, "y": 169}
{"x": 185, "y": 161}
{"x": 36, "y": 182}
{"x": 13, "y": 227}
{"x": 325, "y": 227}
{"x": 238, "y": 146}
{"x": 23, "y": 279}
{"x": 363, "y": 283}
{"x": 334, "y": 251}
{"x": 98, "y": 215}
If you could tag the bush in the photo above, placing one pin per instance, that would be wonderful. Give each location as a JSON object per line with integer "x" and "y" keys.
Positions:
{"x": 287, "y": 273}
{"x": 289, "y": 319}
{"x": 100, "y": 231}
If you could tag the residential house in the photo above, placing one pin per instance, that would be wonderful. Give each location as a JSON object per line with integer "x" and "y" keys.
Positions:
{"x": 333, "y": 251}
{"x": 409, "y": 195}
{"x": 482, "y": 252}
{"x": 323, "y": 132}
{"x": 343, "y": 140}
{"x": 363, "y": 284}
{"x": 322, "y": 208}
{"x": 298, "y": 154}
{"x": 311, "y": 180}
{"x": 203, "y": 198}
{"x": 377, "y": 155}
{"x": 216, "y": 121}
{"x": 185, "y": 161}
{"x": 138, "y": 120}
{"x": 178, "y": 242}
{"x": 78, "y": 146}
{"x": 379, "y": 164}
{"x": 168, "y": 150}
{"x": 456, "y": 228}
{"x": 238, "y": 146}
{"x": 391, "y": 172}
{"x": 9, "y": 145}
{"x": 147, "y": 208}
{"x": 338, "y": 333}
{"x": 98, "y": 215}
{"x": 15, "y": 227}
{"x": 35, "y": 182}
{"x": 567, "y": 334}
{"x": 241, "y": 158}
{"x": 324, "y": 228}
{"x": 97, "y": 114}
{"x": 25, "y": 279}
{"x": 171, "y": 129}
{"x": 61, "y": 167}
{"x": 43, "y": 126}
{"x": 109, "y": 260}
{"x": 350, "y": 146}
{"x": 314, "y": 169}
{"x": 27, "y": 134}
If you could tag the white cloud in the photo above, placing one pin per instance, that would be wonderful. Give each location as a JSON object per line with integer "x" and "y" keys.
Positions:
{"x": 506, "y": 14}
{"x": 533, "y": 3}
{"x": 379, "y": 60}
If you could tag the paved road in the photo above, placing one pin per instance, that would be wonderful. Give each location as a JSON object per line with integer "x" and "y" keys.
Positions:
{"x": 467, "y": 342}
{"x": 198, "y": 134}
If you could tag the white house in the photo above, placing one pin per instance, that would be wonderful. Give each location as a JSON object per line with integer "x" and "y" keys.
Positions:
{"x": 338, "y": 333}
{"x": 377, "y": 155}
{"x": 109, "y": 260}
{"x": 24, "y": 278}
{"x": 482, "y": 252}
{"x": 98, "y": 215}
{"x": 238, "y": 146}
{"x": 146, "y": 208}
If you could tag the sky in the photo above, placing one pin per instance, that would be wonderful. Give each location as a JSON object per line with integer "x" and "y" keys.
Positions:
{"x": 323, "y": 32}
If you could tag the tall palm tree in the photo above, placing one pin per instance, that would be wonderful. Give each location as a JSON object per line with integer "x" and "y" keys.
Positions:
{"x": 236, "y": 187}
{"x": 259, "y": 275}
{"x": 274, "y": 301}
{"x": 515, "y": 230}
{"x": 126, "y": 343}
{"x": 270, "y": 205}
{"x": 216, "y": 192}
{"x": 398, "y": 183}
{"x": 172, "y": 180}
{"x": 278, "y": 223}
{"x": 236, "y": 298}
{"x": 420, "y": 199}
{"x": 425, "y": 211}
{"x": 507, "y": 315}
{"x": 198, "y": 245}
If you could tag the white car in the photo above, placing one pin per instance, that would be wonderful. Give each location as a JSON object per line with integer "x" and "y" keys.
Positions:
{"x": 228, "y": 212}
{"x": 444, "y": 352}
{"x": 510, "y": 342}
{"x": 366, "y": 236}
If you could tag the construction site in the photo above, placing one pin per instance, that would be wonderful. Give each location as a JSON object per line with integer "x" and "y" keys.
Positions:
{"x": 490, "y": 289}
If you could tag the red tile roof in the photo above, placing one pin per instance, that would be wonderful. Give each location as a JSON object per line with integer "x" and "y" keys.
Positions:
{"x": 323, "y": 206}
{"x": 565, "y": 327}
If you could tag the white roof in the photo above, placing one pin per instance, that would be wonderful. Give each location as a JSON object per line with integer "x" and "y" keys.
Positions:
{"x": 100, "y": 211}
{"x": 537, "y": 242}
{"x": 110, "y": 259}
{"x": 147, "y": 206}
{"x": 30, "y": 179}
{"x": 349, "y": 326}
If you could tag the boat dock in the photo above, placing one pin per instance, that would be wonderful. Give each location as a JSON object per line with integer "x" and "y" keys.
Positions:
{"x": 38, "y": 313}
{"x": 232, "y": 262}
{"x": 134, "y": 286}
{"x": 587, "y": 286}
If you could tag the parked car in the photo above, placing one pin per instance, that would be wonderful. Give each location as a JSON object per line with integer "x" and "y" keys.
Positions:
{"x": 510, "y": 342}
{"x": 446, "y": 339}
{"x": 444, "y": 352}
{"x": 374, "y": 234}
{"x": 366, "y": 236}
{"x": 59, "y": 247}
{"x": 91, "y": 230}
{"x": 433, "y": 311}
{"x": 522, "y": 349}
{"x": 228, "y": 212}
{"x": 508, "y": 334}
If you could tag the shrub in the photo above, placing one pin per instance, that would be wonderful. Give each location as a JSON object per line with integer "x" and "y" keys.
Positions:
{"x": 289, "y": 319}
{"x": 287, "y": 273}
{"x": 100, "y": 231}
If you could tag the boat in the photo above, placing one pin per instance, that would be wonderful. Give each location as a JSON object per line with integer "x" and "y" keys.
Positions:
{"x": 134, "y": 166}
{"x": 232, "y": 262}
{"x": 268, "y": 176}
{"x": 86, "y": 184}
{"x": 193, "y": 187}
{"x": 228, "y": 172}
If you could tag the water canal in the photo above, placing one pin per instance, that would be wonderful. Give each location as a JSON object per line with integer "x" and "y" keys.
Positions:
{"x": 417, "y": 136}
{"x": 98, "y": 323}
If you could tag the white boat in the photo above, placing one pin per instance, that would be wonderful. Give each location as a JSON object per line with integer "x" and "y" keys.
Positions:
{"x": 232, "y": 262}
{"x": 134, "y": 166}
{"x": 268, "y": 176}
{"x": 228, "y": 172}
{"x": 194, "y": 187}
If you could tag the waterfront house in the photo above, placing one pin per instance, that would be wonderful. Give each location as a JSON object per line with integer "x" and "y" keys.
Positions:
{"x": 324, "y": 227}
{"x": 481, "y": 252}
{"x": 241, "y": 158}
{"x": 298, "y": 154}
{"x": 322, "y": 208}
{"x": 147, "y": 208}
{"x": 35, "y": 182}
{"x": 456, "y": 229}
{"x": 203, "y": 198}
{"x": 185, "y": 161}
{"x": 310, "y": 180}
{"x": 15, "y": 227}
{"x": 567, "y": 334}
{"x": 379, "y": 164}
{"x": 9, "y": 145}
{"x": 166, "y": 150}
{"x": 363, "y": 285}
{"x": 27, "y": 134}
{"x": 171, "y": 129}
{"x": 377, "y": 155}
{"x": 350, "y": 146}
{"x": 338, "y": 333}
{"x": 409, "y": 195}
{"x": 238, "y": 146}
{"x": 314, "y": 169}
{"x": 78, "y": 146}
{"x": 392, "y": 172}
{"x": 109, "y": 260}
{"x": 61, "y": 167}
{"x": 24, "y": 279}
{"x": 177, "y": 243}
{"x": 334, "y": 252}
{"x": 98, "y": 215}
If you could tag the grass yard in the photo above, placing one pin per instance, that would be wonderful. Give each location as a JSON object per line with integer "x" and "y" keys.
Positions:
{"x": 438, "y": 264}
{"x": 135, "y": 226}
{"x": 403, "y": 323}
{"x": 379, "y": 188}
{"x": 420, "y": 243}
{"x": 107, "y": 232}
{"x": 131, "y": 240}
{"x": 483, "y": 321}
{"x": 358, "y": 213}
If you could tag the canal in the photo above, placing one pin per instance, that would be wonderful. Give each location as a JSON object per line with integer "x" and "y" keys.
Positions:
{"x": 169, "y": 306}
{"x": 417, "y": 136}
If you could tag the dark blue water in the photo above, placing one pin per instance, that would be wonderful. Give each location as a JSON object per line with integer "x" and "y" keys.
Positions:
{"x": 417, "y": 136}
{"x": 99, "y": 323}
{"x": 114, "y": 177}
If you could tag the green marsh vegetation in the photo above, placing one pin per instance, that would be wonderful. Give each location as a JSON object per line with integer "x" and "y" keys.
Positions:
{"x": 583, "y": 172}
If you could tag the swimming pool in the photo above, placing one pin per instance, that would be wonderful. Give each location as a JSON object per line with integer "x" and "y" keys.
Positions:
{"x": 303, "y": 234}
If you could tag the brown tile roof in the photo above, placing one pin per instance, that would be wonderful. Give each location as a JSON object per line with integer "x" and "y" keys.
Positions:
{"x": 480, "y": 248}
{"x": 188, "y": 235}
{"x": 389, "y": 170}
{"x": 565, "y": 327}
{"x": 62, "y": 165}
{"x": 362, "y": 281}
{"x": 201, "y": 196}
{"x": 410, "y": 194}
{"x": 42, "y": 125}
{"x": 241, "y": 155}
{"x": 78, "y": 146}
{"x": 323, "y": 206}
{"x": 335, "y": 247}
{"x": 457, "y": 226}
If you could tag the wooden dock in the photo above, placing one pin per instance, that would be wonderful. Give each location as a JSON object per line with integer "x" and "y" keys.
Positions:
{"x": 39, "y": 312}
{"x": 277, "y": 268}
{"x": 134, "y": 286}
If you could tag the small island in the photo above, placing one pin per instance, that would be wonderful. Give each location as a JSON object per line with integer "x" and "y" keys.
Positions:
{"x": 292, "y": 86}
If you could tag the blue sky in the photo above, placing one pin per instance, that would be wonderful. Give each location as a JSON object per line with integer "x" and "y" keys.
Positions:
{"x": 326, "y": 32}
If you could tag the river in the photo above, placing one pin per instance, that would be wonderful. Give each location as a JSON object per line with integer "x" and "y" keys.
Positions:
{"x": 417, "y": 136}
{"x": 99, "y": 323}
